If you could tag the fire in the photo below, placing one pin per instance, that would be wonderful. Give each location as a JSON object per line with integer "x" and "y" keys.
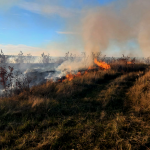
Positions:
{"x": 78, "y": 74}
{"x": 129, "y": 62}
{"x": 101, "y": 64}
{"x": 85, "y": 72}
{"x": 90, "y": 68}
{"x": 71, "y": 76}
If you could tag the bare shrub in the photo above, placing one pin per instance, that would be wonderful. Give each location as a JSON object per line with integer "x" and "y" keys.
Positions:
{"x": 147, "y": 60}
{"x": 29, "y": 58}
{"x": 3, "y": 58}
{"x": 45, "y": 58}
{"x": 20, "y": 58}
{"x": 21, "y": 83}
{"x": 85, "y": 58}
{"x": 13, "y": 82}
{"x": 70, "y": 56}
{"x": 96, "y": 55}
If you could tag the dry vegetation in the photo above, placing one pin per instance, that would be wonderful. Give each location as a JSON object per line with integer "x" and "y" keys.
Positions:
{"x": 99, "y": 110}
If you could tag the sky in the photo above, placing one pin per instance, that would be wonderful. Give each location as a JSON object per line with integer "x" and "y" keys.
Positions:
{"x": 34, "y": 26}
{"x": 58, "y": 26}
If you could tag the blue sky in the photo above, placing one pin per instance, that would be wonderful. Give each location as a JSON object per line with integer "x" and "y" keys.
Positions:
{"x": 38, "y": 23}
{"x": 55, "y": 26}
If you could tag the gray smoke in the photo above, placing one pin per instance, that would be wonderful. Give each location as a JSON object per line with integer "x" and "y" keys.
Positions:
{"x": 119, "y": 22}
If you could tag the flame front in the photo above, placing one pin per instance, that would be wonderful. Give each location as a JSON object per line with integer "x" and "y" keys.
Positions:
{"x": 129, "y": 62}
{"x": 101, "y": 64}
{"x": 70, "y": 76}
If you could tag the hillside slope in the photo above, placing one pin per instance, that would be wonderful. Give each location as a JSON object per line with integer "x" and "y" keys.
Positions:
{"x": 99, "y": 110}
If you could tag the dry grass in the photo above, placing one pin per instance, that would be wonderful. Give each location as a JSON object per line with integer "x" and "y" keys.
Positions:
{"x": 139, "y": 95}
{"x": 99, "y": 110}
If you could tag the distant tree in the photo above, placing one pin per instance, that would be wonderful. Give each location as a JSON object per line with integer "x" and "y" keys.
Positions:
{"x": 20, "y": 58}
{"x": 96, "y": 55}
{"x": 70, "y": 56}
{"x": 45, "y": 58}
{"x": 67, "y": 56}
{"x": 3, "y": 58}
{"x": 29, "y": 58}
{"x": 85, "y": 58}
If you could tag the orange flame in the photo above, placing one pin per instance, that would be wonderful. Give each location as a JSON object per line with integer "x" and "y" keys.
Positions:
{"x": 129, "y": 62}
{"x": 101, "y": 64}
{"x": 85, "y": 72}
{"x": 90, "y": 68}
{"x": 78, "y": 74}
{"x": 70, "y": 76}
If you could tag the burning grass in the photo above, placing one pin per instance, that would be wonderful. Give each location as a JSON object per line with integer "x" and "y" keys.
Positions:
{"x": 99, "y": 109}
{"x": 101, "y": 64}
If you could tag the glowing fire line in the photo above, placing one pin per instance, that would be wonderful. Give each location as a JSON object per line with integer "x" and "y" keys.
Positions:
{"x": 103, "y": 65}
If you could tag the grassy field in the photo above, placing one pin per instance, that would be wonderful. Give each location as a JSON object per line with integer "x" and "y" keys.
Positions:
{"x": 101, "y": 110}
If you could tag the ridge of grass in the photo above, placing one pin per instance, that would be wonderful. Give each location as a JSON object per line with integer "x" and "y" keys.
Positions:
{"x": 99, "y": 110}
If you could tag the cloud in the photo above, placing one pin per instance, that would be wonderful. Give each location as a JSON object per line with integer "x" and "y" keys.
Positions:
{"x": 94, "y": 27}
{"x": 62, "y": 47}
{"x": 54, "y": 49}
{"x": 46, "y": 8}
{"x": 6, "y": 4}
{"x": 15, "y": 49}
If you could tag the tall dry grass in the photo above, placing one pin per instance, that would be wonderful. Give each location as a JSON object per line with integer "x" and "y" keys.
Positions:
{"x": 139, "y": 95}
{"x": 88, "y": 112}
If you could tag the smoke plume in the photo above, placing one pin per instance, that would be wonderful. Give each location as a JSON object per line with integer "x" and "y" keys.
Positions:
{"x": 120, "y": 22}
